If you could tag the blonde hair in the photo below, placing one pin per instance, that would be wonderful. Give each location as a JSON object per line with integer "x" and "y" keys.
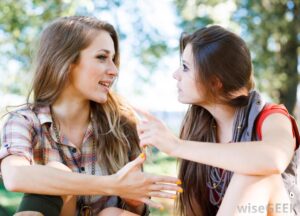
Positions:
{"x": 60, "y": 46}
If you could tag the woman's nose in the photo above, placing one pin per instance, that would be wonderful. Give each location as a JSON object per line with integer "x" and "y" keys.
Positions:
{"x": 112, "y": 69}
{"x": 176, "y": 74}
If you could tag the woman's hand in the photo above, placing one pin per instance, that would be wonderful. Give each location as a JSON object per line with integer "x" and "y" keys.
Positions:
{"x": 133, "y": 184}
{"x": 153, "y": 132}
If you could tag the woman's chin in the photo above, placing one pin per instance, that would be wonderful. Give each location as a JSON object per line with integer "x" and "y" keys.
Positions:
{"x": 182, "y": 100}
{"x": 100, "y": 100}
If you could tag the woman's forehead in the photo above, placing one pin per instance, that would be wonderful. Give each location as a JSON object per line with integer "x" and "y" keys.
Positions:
{"x": 102, "y": 41}
{"x": 187, "y": 55}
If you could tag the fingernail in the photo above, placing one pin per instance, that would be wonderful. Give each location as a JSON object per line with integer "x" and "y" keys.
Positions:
{"x": 142, "y": 155}
{"x": 161, "y": 208}
{"x": 178, "y": 182}
{"x": 180, "y": 190}
{"x": 174, "y": 197}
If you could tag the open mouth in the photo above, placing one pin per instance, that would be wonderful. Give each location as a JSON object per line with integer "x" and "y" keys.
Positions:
{"x": 105, "y": 84}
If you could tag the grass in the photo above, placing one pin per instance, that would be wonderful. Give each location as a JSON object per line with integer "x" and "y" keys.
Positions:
{"x": 157, "y": 163}
{"x": 8, "y": 200}
{"x": 160, "y": 164}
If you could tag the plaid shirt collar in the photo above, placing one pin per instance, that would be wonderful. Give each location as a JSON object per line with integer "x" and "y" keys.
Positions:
{"x": 44, "y": 116}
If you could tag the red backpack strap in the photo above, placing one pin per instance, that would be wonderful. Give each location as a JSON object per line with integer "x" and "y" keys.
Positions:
{"x": 275, "y": 108}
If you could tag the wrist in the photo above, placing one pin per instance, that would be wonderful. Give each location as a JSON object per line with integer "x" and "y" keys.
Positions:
{"x": 107, "y": 185}
{"x": 176, "y": 148}
{"x": 134, "y": 203}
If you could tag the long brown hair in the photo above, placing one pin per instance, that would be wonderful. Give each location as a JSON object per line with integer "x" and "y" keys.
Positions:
{"x": 218, "y": 54}
{"x": 60, "y": 46}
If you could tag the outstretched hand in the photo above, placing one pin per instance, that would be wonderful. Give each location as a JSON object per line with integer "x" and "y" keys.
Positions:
{"x": 133, "y": 184}
{"x": 153, "y": 132}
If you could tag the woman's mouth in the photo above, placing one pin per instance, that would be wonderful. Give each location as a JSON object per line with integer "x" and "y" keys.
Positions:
{"x": 105, "y": 85}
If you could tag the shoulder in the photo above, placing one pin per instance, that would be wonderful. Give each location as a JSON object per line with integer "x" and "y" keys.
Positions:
{"x": 24, "y": 116}
{"x": 275, "y": 112}
{"x": 23, "y": 112}
{"x": 275, "y": 120}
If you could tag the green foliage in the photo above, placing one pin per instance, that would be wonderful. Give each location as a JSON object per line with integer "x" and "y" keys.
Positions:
{"x": 188, "y": 12}
{"x": 272, "y": 30}
{"x": 21, "y": 23}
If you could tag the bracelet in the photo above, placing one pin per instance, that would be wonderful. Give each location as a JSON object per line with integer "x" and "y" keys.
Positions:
{"x": 124, "y": 206}
{"x": 146, "y": 211}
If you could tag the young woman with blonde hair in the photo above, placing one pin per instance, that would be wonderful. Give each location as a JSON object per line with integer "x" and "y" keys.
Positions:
{"x": 238, "y": 155}
{"x": 75, "y": 147}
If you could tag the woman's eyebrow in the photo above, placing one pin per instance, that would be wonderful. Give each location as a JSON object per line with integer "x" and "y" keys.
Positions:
{"x": 107, "y": 51}
{"x": 185, "y": 62}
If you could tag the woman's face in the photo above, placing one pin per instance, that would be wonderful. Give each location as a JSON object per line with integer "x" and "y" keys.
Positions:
{"x": 92, "y": 76}
{"x": 190, "y": 90}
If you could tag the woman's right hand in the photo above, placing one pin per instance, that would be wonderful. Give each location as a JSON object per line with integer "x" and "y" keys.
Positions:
{"x": 132, "y": 183}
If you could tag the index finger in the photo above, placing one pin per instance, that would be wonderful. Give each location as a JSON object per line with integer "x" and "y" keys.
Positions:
{"x": 166, "y": 179}
{"x": 146, "y": 114}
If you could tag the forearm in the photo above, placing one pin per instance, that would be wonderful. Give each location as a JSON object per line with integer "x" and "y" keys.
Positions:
{"x": 249, "y": 158}
{"x": 47, "y": 180}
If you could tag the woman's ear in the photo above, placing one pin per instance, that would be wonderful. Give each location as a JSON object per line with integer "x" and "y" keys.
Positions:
{"x": 71, "y": 67}
{"x": 69, "y": 73}
{"x": 216, "y": 83}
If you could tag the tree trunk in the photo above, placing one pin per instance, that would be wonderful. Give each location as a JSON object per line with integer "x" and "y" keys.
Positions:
{"x": 289, "y": 58}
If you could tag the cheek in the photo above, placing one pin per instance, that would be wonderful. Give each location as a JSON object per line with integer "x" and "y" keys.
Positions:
{"x": 198, "y": 91}
{"x": 90, "y": 71}
{"x": 89, "y": 75}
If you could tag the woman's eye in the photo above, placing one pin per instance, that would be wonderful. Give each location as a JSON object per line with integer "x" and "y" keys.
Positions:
{"x": 185, "y": 68}
{"x": 101, "y": 57}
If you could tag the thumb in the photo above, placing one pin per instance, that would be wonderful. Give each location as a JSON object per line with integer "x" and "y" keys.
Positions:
{"x": 137, "y": 163}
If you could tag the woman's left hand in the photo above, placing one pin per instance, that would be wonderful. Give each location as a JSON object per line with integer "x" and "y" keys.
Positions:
{"x": 153, "y": 132}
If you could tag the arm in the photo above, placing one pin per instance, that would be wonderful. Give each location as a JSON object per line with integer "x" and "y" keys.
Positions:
{"x": 16, "y": 157}
{"x": 269, "y": 156}
{"x": 20, "y": 176}
{"x": 129, "y": 182}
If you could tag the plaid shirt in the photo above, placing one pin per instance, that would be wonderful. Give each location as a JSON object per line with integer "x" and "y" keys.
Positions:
{"x": 30, "y": 134}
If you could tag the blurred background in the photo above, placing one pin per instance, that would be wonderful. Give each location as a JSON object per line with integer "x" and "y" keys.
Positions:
{"x": 149, "y": 31}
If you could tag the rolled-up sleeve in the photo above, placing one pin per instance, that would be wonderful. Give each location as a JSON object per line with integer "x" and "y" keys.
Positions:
{"x": 16, "y": 137}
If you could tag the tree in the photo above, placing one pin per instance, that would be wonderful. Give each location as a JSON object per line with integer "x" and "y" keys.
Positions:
{"x": 274, "y": 39}
{"x": 271, "y": 30}
{"x": 21, "y": 23}
{"x": 188, "y": 11}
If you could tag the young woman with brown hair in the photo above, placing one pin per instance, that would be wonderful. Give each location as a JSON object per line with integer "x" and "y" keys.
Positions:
{"x": 76, "y": 143}
{"x": 237, "y": 153}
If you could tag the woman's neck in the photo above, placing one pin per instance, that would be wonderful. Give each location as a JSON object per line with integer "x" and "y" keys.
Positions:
{"x": 224, "y": 116}
{"x": 70, "y": 111}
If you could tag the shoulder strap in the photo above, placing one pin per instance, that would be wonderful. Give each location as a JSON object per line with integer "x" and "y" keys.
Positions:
{"x": 275, "y": 108}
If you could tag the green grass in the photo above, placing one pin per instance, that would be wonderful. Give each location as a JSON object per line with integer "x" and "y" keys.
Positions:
{"x": 9, "y": 200}
{"x": 157, "y": 163}
{"x": 160, "y": 164}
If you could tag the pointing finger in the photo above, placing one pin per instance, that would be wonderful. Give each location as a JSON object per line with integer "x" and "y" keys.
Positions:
{"x": 146, "y": 114}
